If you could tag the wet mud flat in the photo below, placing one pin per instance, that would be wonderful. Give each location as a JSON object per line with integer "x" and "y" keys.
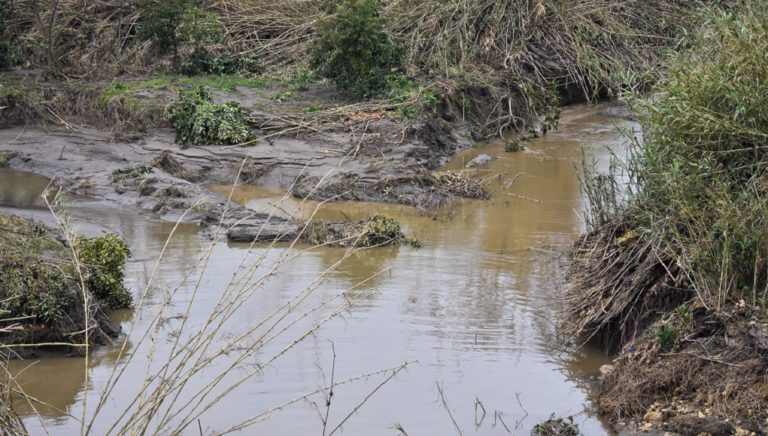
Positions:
{"x": 157, "y": 177}
{"x": 356, "y": 154}
{"x": 472, "y": 306}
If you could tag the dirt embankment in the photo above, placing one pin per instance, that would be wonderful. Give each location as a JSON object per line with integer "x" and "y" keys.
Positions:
{"x": 680, "y": 366}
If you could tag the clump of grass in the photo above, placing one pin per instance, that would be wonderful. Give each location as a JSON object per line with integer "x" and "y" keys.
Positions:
{"x": 197, "y": 120}
{"x": 353, "y": 50}
{"x": 700, "y": 174}
{"x": 692, "y": 221}
{"x": 229, "y": 82}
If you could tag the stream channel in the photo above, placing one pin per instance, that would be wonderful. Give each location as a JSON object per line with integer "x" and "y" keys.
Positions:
{"x": 474, "y": 309}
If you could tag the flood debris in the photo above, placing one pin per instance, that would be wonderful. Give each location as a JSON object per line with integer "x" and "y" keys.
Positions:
{"x": 168, "y": 163}
{"x": 376, "y": 231}
{"x": 557, "y": 427}
{"x": 130, "y": 173}
{"x": 460, "y": 184}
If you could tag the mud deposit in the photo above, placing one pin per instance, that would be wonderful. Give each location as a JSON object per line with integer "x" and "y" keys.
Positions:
{"x": 473, "y": 309}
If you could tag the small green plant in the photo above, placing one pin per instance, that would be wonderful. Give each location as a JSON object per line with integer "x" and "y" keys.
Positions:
{"x": 313, "y": 108}
{"x": 411, "y": 98}
{"x": 381, "y": 230}
{"x": 104, "y": 258}
{"x": 228, "y": 63}
{"x": 353, "y": 50}
{"x": 283, "y": 96}
{"x": 197, "y": 120}
{"x": 667, "y": 335}
{"x": 302, "y": 81}
{"x": 684, "y": 312}
{"x": 116, "y": 89}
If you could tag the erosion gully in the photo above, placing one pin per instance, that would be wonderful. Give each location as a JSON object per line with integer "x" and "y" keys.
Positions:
{"x": 474, "y": 309}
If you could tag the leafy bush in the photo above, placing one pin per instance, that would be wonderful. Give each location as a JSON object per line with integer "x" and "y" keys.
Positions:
{"x": 161, "y": 22}
{"x": 221, "y": 64}
{"x": 352, "y": 49}
{"x": 6, "y": 42}
{"x": 381, "y": 230}
{"x": 104, "y": 258}
{"x": 197, "y": 120}
{"x": 177, "y": 24}
{"x": 128, "y": 173}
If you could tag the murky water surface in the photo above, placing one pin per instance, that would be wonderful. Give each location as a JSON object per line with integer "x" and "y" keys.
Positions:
{"x": 473, "y": 309}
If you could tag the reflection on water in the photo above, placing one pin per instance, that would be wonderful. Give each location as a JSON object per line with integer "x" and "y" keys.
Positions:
{"x": 475, "y": 306}
{"x": 20, "y": 189}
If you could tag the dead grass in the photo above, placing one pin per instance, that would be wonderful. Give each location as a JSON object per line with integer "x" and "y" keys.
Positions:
{"x": 493, "y": 62}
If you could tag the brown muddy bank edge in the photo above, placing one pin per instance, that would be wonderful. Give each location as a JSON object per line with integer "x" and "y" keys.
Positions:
{"x": 680, "y": 366}
{"x": 375, "y": 158}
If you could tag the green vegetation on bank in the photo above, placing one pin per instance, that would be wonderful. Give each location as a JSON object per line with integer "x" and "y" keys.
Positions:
{"x": 7, "y": 46}
{"x": 197, "y": 120}
{"x": 40, "y": 286}
{"x": 700, "y": 175}
{"x": 485, "y": 62}
{"x": 194, "y": 36}
{"x": 674, "y": 270}
{"x": 352, "y": 49}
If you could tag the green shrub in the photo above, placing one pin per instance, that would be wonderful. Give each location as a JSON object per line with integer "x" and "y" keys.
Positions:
{"x": 104, "y": 259}
{"x": 197, "y": 120}
{"x": 205, "y": 61}
{"x": 161, "y": 22}
{"x": 352, "y": 49}
{"x": 176, "y": 24}
{"x": 7, "y": 46}
{"x": 381, "y": 230}
{"x": 667, "y": 334}
{"x": 699, "y": 186}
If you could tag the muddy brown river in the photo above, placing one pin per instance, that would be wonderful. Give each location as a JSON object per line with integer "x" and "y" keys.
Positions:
{"x": 473, "y": 310}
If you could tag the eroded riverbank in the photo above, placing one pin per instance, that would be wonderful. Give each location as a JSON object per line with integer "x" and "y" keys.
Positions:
{"x": 474, "y": 308}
